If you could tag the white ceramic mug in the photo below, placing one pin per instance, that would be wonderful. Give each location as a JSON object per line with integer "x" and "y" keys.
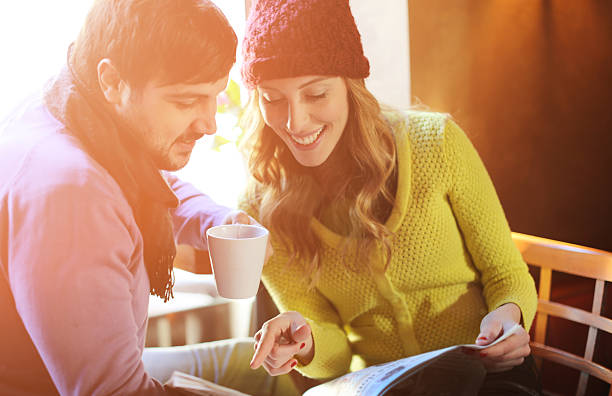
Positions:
{"x": 237, "y": 253}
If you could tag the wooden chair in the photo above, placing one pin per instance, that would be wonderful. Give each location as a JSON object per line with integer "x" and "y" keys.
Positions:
{"x": 549, "y": 255}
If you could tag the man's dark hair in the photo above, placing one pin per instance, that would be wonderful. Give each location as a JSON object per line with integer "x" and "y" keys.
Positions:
{"x": 173, "y": 41}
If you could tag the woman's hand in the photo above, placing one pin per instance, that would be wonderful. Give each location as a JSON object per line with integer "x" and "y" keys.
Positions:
{"x": 510, "y": 352}
{"x": 281, "y": 341}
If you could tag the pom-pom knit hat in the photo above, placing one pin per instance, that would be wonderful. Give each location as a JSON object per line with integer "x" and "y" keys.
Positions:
{"x": 291, "y": 38}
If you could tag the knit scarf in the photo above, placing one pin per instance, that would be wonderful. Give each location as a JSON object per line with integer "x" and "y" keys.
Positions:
{"x": 88, "y": 117}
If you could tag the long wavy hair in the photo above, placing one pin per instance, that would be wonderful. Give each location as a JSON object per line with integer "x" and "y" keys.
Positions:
{"x": 285, "y": 195}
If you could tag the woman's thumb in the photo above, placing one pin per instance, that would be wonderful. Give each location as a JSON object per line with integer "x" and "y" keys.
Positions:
{"x": 301, "y": 332}
{"x": 489, "y": 332}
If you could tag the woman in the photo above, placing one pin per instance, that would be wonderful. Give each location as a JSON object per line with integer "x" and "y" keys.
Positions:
{"x": 388, "y": 237}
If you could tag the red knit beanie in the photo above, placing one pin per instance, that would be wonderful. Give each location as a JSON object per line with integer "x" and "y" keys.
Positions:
{"x": 290, "y": 38}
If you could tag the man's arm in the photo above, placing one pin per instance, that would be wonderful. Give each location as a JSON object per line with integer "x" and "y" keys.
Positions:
{"x": 195, "y": 214}
{"x": 79, "y": 284}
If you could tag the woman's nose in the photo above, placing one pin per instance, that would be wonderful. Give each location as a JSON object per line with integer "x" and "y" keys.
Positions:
{"x": 297, "y": 117}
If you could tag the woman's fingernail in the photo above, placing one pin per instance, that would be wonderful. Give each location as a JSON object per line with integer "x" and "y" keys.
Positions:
{"x": 303, "y": 345}
{"x": 293, "y": 364}
{"x": 483, "y": 354}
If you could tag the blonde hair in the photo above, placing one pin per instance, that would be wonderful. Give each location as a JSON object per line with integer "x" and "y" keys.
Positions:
{"x": 286, "y": 195}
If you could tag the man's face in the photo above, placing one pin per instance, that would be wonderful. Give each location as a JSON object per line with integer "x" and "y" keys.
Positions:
{"x": 169, "y": 119}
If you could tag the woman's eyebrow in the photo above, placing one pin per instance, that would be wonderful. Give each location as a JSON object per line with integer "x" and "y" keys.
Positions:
{"x": 315, "y": 80}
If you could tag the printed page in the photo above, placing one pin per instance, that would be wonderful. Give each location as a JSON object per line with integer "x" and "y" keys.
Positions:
{"x": 377, "y": 380}
{"x": 374, "y": 379}
{"x": 189, "y": 385}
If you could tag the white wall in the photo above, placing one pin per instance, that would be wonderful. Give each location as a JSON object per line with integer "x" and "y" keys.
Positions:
{"x": 384, "y": 31}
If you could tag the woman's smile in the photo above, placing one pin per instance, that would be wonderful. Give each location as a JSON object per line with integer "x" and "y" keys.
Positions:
{"x": 308, "y": 141}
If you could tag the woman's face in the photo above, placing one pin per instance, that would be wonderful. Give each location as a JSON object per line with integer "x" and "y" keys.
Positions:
{"x": 309, "y": 113}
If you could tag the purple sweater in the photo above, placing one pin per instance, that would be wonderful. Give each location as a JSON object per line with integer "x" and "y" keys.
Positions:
{"x": 74, "y": 290}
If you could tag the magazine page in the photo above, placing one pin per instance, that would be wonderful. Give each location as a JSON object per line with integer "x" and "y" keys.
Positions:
{"x": 189, "y": 385}
{"x": 379, "y": 379}
{"x": 374, "y": 379}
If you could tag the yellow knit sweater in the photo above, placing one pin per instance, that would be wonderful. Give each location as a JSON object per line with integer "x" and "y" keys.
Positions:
{"x": 453, "y": 261}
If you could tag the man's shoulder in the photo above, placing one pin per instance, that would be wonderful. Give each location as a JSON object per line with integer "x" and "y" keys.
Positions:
{"x": 38, "y": 156}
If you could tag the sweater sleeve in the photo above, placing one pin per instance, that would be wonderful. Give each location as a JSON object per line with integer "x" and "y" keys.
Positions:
{"x": 69, "y": 272}
{"x": 504, "y": 274}
{"x": 196, "y": 213}
{"x": 289, "y": 288}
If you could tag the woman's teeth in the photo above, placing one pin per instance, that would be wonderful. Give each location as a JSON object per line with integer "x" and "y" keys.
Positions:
{"x": 306, "y": 140}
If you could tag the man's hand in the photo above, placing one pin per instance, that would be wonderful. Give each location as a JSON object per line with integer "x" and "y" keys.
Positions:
{"x": 240, "y": 217}
{"x": 281, "y": 341}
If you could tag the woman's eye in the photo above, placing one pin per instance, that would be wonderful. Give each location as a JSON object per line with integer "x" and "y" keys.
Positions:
{"x": 317, "y": 96}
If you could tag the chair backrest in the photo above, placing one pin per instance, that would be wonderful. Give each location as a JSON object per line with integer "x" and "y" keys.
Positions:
{"x": 549, "y": 255}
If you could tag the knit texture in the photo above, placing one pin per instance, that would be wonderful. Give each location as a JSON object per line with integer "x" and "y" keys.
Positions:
{"x": 291, "y": 38}
{"x": 453, "y": 261}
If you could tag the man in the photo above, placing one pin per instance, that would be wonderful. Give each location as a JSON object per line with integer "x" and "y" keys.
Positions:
{"x": 88, "y": 223}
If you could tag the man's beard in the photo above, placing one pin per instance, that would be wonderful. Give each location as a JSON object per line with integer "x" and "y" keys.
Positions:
{"x": 165, "y": 161}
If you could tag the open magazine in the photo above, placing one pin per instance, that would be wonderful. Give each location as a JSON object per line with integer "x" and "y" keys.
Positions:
{"x": 447, "y": 371}
{"x": 186, "y": 384}
{"x": 444, "y": 371}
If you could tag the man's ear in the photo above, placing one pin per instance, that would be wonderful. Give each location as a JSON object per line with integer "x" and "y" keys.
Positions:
{"x": 112, "y": 86}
